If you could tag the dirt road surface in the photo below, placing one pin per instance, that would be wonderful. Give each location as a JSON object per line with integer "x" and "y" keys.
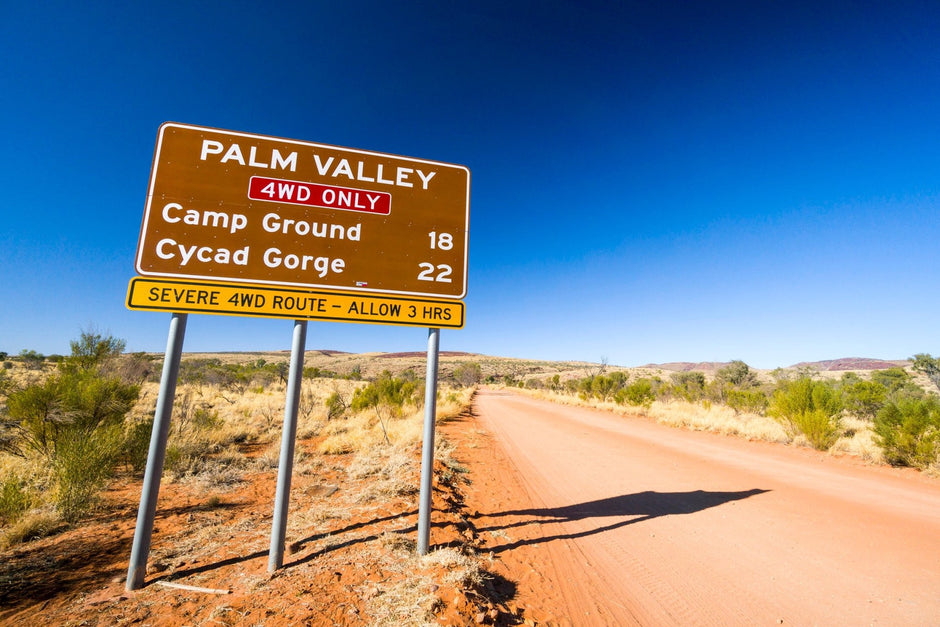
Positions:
{"x": 607, "y": 520}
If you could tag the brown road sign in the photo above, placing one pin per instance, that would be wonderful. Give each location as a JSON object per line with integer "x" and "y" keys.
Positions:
{"x": 229, "y": 206}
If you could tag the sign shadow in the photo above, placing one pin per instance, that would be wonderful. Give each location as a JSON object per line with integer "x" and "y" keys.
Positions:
{"x": 640, "y": 506}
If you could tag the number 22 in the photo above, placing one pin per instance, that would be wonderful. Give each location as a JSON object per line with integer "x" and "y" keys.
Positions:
{"x": 427, "y": 272}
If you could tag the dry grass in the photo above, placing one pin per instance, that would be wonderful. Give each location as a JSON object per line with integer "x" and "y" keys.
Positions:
{"x": 393, "y": 471}
{"x": 462, "y": 570}
{"x": 33, "y": 525}
{"x": 857, "y": 438}
{"x": 717, "y": 419}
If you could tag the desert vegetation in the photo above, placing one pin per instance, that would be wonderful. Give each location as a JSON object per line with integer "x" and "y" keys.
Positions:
{"x": 890, "y": 415}
{"x": 71, "y": 426}
{"x": 69, "y": 423}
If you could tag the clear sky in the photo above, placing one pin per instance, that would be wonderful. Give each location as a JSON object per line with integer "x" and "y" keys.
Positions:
{"x": 651, "y": 181}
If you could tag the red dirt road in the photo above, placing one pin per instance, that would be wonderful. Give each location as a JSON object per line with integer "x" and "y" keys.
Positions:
{"x": 606, "y": 520}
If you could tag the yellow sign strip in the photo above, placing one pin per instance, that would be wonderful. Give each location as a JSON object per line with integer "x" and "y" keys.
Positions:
{"x": 297, "y": 304}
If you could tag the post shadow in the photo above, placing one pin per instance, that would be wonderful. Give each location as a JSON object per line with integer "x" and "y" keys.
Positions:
{"x": 299, "y": 545}
{"x": 642, "y": 506}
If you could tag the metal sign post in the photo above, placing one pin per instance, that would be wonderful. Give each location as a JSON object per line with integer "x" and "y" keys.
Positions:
{"x": 285, "y": 466}
{"x": 140, "y": 551}
{"x": 427, "y": 451}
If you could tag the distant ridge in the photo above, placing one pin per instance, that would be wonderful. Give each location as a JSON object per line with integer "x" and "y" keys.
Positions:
{"x": 852, "y": 363}
{"x": 688, "y": 366}
{"x": 423, "y": 353}
{"x": 828, "y": 365}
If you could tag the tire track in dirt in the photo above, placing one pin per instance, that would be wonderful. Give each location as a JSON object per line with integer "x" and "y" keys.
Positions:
{"x": 610, "y": 520}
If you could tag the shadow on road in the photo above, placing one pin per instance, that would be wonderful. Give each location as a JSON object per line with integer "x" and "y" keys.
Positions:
{"x": 642, "y": 506}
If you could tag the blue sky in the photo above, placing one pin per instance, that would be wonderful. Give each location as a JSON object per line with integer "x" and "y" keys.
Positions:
{"x": 651, "y": 182}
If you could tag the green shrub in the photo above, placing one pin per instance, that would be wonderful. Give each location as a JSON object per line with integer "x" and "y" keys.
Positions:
{"x": 604, "y": 387}
{"x": 82, "y": 465}
{"x": 388, "y": 391}
{"x": 898, "y": 382}
{"x": 864, "y": 398}
{"x": 70, "y": 401}
{"x": 929, "y": 366}
{"x": 335, "y": 406}
{"x": 908, "y": 432}
{"x": 811, "y": 408}
{"x": 14, "y": 499}
{"x": 93, "y": 349}
{"x": 736, "y": 374}
{"x": 688, "y": 385}
{"x": 639, "y": 393}
{"x": 205, "y": 419}
{"x": 73, "y": 420}
{"x": 752, "y": 401}
{"x": 137, "y": 444}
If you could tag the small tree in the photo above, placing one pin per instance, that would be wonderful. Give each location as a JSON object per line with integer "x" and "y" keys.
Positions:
{"x": 929, "y": 366}
{"x": 335, "y": 406}
{"x": 737, "y": 374}
{"x": 32, "y": 359}
{"x": 386, "y": 394}
{"x": 468, "y": 374}
{"x": 688, "y": 385}
{"x": 908, "y": 432}
{"x": 810, "y": 408}
{"x": 92, "y": 349}
{"x": 864, "y": 398}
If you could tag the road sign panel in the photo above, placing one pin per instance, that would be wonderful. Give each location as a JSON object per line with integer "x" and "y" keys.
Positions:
{"x": 230, "y": 206}
{"x": 206, "y": 297}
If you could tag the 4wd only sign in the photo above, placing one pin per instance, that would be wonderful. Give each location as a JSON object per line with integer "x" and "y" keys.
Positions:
{"x": 227, "y": 206}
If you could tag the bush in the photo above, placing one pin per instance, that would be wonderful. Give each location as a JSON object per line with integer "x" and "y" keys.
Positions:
{"x": 388, "y": 391}
{"x": 864, "y": 398}
{"x": 137, "y": 444}
{"x": 468, "y": 374}
{"x": 31, "y": 526}
{"x": 688, "y": 385}
{"x": 73, "y": 421}
{"x": 40, "y": 415}
{"x": 32, "y": 359}
{"x": 82, "y": 465}
{"x": 335, "y": 406}
{"x": 929, "y": 366}
{"x": 736, "y": 374}
{"x": 390, "y": 394}
{"x": 909, "y": 432}
{"x": 898, "y": 382}
{"x": 14, "y": 499}
{"x": 92, "y": 349}
{"x": 752, "y": 401}
{"x": 811, "y": 408}
{"x": 639, "y": 393}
